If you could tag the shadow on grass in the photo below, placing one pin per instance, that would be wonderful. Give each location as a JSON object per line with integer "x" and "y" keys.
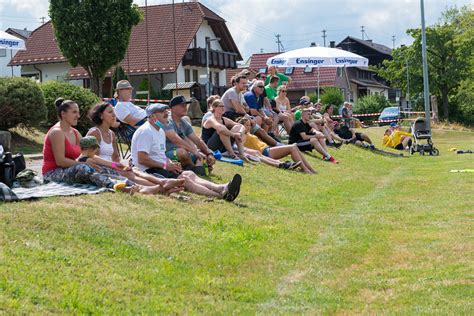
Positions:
{"x": 27, "y": 141}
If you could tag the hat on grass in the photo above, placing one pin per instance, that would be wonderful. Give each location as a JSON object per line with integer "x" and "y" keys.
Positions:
{"x": 155, "y": 107}
{"x": 89, "y": 142}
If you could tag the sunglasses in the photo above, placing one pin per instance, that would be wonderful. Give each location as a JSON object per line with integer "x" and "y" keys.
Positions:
{"x": 260, "y": 86}
{"x": 284, "y": 91}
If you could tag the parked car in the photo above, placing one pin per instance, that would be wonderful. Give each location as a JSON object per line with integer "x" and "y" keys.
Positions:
{"x": 390, "y": 113}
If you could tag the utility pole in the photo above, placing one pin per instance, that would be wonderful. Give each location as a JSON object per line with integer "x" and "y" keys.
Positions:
{"x": 261, "y": 50}
{"x": 393, "y": 41}
{"x": 324, "y": 37}
{"x": 43, "y": 18}
{"x": 362, "y": 31}
{"x": 426, "y": 85}
{"x": 278, "y": 42}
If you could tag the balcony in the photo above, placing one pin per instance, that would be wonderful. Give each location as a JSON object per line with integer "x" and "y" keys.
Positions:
{"x": 217, "y": 59}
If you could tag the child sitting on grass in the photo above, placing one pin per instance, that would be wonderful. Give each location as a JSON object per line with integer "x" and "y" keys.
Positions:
{"x": 89, "y": 149}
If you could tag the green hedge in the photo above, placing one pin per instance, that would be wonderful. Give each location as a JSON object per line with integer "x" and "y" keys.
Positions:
{"x": 83, "y": 97}
{"x": 21, "y": 101}
{"x": 371, "y": 104}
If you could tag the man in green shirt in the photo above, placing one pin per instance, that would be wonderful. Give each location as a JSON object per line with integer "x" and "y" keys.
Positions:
{"x": 270, "y": 89}
{"x": 272, "y": 70}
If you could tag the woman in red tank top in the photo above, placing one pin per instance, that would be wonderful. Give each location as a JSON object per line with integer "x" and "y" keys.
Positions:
{"x": 61, "y": 149}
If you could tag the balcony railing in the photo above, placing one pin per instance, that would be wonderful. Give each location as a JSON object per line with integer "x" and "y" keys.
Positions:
{"x": 217, "y": 59}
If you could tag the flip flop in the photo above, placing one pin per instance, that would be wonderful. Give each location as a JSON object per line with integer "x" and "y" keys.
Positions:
{"x": 295, "y": 165}
{"x": 233, "y": 188}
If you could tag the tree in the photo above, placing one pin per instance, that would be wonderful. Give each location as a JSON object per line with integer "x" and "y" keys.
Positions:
{"x": 94, "y": 34}
{"x": 447, "y": 61}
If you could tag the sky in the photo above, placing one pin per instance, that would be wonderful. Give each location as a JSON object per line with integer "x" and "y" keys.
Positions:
{"x": 254, "y": 23}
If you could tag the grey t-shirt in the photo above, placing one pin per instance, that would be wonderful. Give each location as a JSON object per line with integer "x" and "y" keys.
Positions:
{"x": 184, "y": 130}
{"x": 230, "y": 94}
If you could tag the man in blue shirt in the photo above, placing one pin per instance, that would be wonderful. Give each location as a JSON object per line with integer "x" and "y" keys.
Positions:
{"x": 254, "y": 99}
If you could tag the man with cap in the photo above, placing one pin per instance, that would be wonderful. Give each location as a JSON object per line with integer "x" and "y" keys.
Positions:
{"x": 149, "y": 155}
{"x": 303, "y": 135}
{"x": 182, "y": 143}
{"x": 126, "y": 111}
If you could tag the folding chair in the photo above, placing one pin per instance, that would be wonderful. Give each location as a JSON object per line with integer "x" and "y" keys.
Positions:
{"x": 124, "y": 139}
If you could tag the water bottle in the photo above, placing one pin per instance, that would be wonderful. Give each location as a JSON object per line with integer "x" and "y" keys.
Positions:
{"x": 206, "y": 168}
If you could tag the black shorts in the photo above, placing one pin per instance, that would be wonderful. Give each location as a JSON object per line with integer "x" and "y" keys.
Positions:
{"x": 162, "y": 173}
{"x": 305, "y": 146}
{"x": 232, "y": 115}
{"x": 214, "y": 143}
{"x": 399, "y": 147}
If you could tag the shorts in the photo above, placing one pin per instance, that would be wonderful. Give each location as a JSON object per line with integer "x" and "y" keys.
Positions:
{"x": 162, "y": 173}
{"x": 266, "y": 151}
{"x": 305, "y": 146}
{"x": 214, "y": 143}
{"x": 232, "y": 115}
{"x": 171, "y": 154}
{"x": 269, "y": 113}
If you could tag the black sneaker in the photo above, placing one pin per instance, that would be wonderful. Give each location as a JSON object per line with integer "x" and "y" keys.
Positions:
{"x": 233, "y": 188}
{"x": 337, "y": 145}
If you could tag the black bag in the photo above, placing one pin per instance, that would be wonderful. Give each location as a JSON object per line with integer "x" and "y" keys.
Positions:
{"x": 10, "y": 166}
{"x": 19, "y": 162}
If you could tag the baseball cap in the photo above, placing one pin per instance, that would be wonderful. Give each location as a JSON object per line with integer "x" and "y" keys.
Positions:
{"x": 304, "y": 102}
{"x": 123, "y": 84}
{"x": 155, "y": 107}
{"x": 89, "y": 142}
{"x": 393, "y": 124}
{"x": 179, "y": 99}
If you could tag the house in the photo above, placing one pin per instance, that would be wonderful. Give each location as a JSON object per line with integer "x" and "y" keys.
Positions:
{"x": 365, "y": 81}
{"x": 7, "y": 55}
{"x": 173, "y": 57}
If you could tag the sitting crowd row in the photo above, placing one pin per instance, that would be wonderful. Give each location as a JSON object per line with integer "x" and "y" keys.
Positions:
{"x": 166, "y": 154}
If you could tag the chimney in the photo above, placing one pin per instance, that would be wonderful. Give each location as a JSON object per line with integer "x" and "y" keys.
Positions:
{"x": 313, "y": 44}
{"x": 332, "y": 44}
{"x": 370, "y": 41}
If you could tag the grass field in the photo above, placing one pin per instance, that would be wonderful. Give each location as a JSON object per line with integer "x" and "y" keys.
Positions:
{"x": 372, "y": 235}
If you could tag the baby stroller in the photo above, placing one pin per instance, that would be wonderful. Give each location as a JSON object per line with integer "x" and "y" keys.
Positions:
{"x": 419, "y": 131}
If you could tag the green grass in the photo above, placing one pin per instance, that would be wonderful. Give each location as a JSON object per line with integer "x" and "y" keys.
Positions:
{"x": 372, "y": 235}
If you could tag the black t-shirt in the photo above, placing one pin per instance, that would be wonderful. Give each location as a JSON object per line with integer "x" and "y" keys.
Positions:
{"x": 298, "y": 128}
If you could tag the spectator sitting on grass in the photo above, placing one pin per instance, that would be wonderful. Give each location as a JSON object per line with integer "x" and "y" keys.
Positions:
{"x": 397, "y": 139}
{"x": 103, "y": 116}
{"x": 275, "y": 153}
{"x": 283, "y": 108}
{"x": 89, "y": 150}
{"x": 273, "y": 71}
{"x": 182, "y": 144}
{"x": 219, "y": 133}
{"x": 352, "y": 137}
{"x": 61, "y": 149}
{"x": 149, "y": 155}
{"x": 306, "y": 139}
{"x": 255, "y": 100}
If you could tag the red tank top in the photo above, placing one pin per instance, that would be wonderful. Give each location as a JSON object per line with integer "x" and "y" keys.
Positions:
{"x": 70, "y": 151}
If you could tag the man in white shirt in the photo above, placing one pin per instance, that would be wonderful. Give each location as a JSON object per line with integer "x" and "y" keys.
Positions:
{"x": 126, "y": 111}
{"x": 149, "y": 155}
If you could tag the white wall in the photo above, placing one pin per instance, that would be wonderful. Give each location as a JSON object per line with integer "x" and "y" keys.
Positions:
{"x": 56, "y": 71}
{"x": 374, "y": 90}
{"x": 6, "y": 71}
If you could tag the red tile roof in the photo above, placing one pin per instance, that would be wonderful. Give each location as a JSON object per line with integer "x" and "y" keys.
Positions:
{"x": 301, "y": 80}
{"x": 42, "y": 47}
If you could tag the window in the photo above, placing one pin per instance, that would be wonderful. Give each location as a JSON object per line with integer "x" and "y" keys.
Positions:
{"x": 289, "y": 70}
{"x": 216, "y": 79}
{"x": 308, "y": 69}
{"x": 340, "y": 71}
{"x": 195, "y": 75}
{"x": 3, "y": 52}
{"x": 187, "y": 75}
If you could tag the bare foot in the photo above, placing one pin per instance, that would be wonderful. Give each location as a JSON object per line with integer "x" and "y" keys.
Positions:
{"x": 173, "y": 190}
{"x": 152, "y": 189}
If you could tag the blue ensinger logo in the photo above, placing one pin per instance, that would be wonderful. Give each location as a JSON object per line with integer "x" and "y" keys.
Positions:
{"x": 346, "y": 61}
{"x": 309, "y": 61}
{"x": 277, "y": 61}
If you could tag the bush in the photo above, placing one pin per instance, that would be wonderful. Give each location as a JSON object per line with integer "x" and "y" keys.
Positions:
{"x": 374, "y": 103}
{"x": 21, "y": 101}
{"x": 465, "y": 100}
{"x": 84, "y": 98}
{"x": 334, "y": 96}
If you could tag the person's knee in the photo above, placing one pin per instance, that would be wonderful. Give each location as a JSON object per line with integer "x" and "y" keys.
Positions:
{"x": 182, "y": 154}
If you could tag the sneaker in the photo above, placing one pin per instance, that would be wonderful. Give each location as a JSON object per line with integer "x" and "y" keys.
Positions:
{"x": 285, "y": 165}
{"x": 294, "y": 165}
{"x": 331, "y": 159}
{"x": 337, "y": 145}
{"x": 371, "y": 146}
{"x": 233, "y": 188}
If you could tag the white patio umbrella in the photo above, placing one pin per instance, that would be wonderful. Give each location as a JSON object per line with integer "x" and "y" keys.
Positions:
{"x": 8, "y": 41}
{"x": 316, "y": 57}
